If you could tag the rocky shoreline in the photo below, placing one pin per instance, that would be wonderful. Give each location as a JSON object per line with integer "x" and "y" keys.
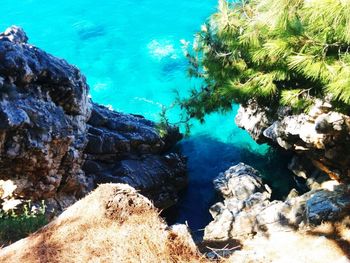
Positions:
{"x": 320, "y": 138}
{"x": 56, "y": 145}
{"x": 319, "y": 141}
{"x": 247, "y": 209}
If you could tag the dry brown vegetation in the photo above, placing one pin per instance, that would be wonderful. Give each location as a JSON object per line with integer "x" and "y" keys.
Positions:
{"x": 116, "y": 224}
{"x": 329, "y": 242}
{"x": 112, "y": 224}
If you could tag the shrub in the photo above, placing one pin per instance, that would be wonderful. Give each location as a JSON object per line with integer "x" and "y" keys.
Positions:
{"x": 15, "y": 225}
{"x": 277, "y": 52}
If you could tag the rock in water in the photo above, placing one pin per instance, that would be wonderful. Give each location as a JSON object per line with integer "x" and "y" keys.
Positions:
{"x": 45, "y": 126}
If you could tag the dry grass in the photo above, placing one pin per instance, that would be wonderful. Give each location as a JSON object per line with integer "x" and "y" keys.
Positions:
{"x": 112, "y": 224}
{"x": 327, "y": 243}
{"x": 116, "y": 224}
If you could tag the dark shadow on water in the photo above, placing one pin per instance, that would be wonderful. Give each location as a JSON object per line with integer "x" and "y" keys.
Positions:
{"x": 208, "y": 157}
{"x": 88, "y": 32}
{"x": 169, "y": 67}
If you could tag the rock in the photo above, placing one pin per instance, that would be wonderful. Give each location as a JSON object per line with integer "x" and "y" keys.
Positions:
{"x": 128, "y": 149}
{"x": 321, "y": 136}
{"x": 15, "y": 34}
{"x": 253, "y": 119}
{"x": 44, "y": 108}
{"x": 241, "y": 216}
{"x": 245, "y": 196}
{"x": 239, "y": 182}
{"x": 324, "y": 205}
{"x": 220, "y": 228}
{"x": 292, "y": 194}
{"x": 49, "y": 127}
{"x": 302, "y": 167}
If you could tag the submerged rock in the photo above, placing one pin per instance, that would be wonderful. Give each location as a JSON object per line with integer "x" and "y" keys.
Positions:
{"x": 49, "y": 127}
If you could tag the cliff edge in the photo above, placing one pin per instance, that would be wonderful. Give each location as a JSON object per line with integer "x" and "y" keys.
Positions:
{"x": 56, "y": 145}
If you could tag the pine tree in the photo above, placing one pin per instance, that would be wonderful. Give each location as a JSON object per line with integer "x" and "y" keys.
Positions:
{"x": 275, "y": 51}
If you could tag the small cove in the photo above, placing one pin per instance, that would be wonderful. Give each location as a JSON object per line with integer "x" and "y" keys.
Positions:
{"x": 131, "y": 53}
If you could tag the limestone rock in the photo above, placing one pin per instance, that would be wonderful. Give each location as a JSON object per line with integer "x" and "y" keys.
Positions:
{"x": 44, "y": 108}
{"x": 241, "y": 216}
{"x": 49, "y": 127}
{"x": 239, "y": 182}
{"x": 245, "y": 196}
{"x": 253, "y": 119}
{"x": 322, "y": 136}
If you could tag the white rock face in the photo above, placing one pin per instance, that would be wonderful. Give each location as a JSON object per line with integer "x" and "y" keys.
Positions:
{"x": 247, "y": 209}
{"x": 322, "y": 136}
{"x": 253, "y": 119}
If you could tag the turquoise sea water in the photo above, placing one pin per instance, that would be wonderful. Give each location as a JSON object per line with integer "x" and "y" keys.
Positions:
{"x": 131, "y": 53}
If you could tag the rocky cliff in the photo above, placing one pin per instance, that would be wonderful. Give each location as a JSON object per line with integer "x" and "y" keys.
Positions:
{"x": 311, "y": 224}
{"x": 319, "y": 138}
{"x": 129, "y": 149}
{"x": 56, "y": 145}
{"x": 247, "y": 209}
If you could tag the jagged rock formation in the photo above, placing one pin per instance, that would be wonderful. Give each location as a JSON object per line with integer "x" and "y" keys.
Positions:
{"x": 128, "y": 149}
{"x": 248, "y": 211}
{"x": 45, "y": 126}
{"x": 44, "y": 108}
{"x": 320, "y": 137}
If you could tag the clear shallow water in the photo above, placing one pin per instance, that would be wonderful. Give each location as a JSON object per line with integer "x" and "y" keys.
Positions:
{"x": 131, "y": 53}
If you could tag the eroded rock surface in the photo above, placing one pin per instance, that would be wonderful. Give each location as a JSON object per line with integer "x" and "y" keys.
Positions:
{"x": 47, "y": 121}
{"x": 247, "y": 209}
{"x": 322, "y": 136}
{"x": 129, "y": 149}
{"x": 44, "y": 108}
{"x": 253, "y": 119}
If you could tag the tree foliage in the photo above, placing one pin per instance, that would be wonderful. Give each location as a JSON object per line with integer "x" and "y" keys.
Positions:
{"x": 274, "y": 51}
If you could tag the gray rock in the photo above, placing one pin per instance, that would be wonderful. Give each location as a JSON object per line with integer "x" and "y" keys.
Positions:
{"x": 241, "y": 216}
{"x": 49, "y": 127}
{"x": 324, "y": 205}
{"x": 254, "y": 120}
{"x": 321, "y": 136}
{"x": 15, "y": 34}
{"x": 44, "y": 108}
{"x": 239, "y": 182}
{"x": 245, "y": 197}
{"x": 128, "y": 149}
